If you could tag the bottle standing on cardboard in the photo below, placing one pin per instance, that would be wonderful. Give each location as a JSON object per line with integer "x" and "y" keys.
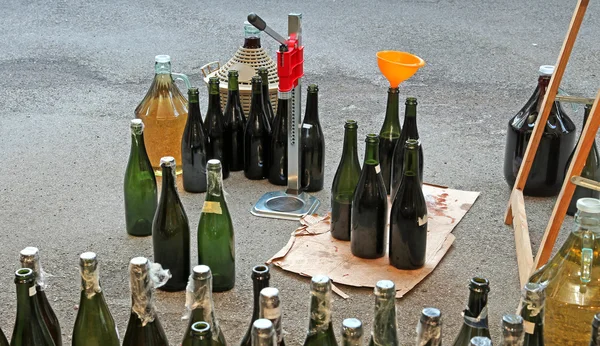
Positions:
{"x": 344, "y": 183}
{"x": 595, "y": 338}
{"x": 409, "y": 130}
{"x": 267, "y": 106}
{"x": 408, "y": 217}
{"x": 279, "y": 142}
{"x": 94, "y": 325}
{"x": 201, "y": 334}
{"x": 320, "y": 328}
{"x": 216, "y": 241}
{"x": 200, "y": 307}
{"x": 30, "y": 258}
{"x": 30, "y": 328}
{"x": 312, "y": 142}
{"x": 215, "y": 129}
{"x": 429, "y": 328}
{"x": 260, "y": 280}
{"x": 263, "y": 333}
{"x": 369, "y": 206}
{"x": 194, "y": 147}
{"x": 139, "y": 185}
{"x": 270, "y": 308}
{"x": 533, "y": 299}
{"x": 475, "y": 315}
{"x": 257, "y": 136}
{"x": 388, "y": 137}
{"x": 352, "y": 332}
{"x": 384, "y": 323}
{"x": 164, "y": 113}
{"x": 171, "y": 230}
{"x": 512, "y": 330}
{"x": 235, "y": 122}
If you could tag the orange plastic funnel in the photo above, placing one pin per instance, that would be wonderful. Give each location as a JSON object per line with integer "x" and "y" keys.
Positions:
{"x": 398, "y": 66}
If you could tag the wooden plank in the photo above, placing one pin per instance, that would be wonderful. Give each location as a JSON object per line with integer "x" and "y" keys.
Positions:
{"x": 522, "y": 241}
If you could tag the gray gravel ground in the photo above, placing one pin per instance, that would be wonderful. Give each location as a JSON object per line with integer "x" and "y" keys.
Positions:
{"x": 75, "y": 70}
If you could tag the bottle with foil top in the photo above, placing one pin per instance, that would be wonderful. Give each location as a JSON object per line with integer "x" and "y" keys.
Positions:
{"x": 384, "y": 323}
{"x": 200, "y": 306}
{"x": 475, "y": 315}
{"x": 201, "y": 334}
{"x": 164, "y": 111}
{"x": 429, "y": 328}
{"x": 30, "y": 258}
{"x": 94, "y": 325}
{"x": 480, "y": 341}
{"x": 263, "y": 333}
{"x": 260, "y": 280}
{"x": 320, "y": 327}
{"x": 352, "y": 332}
{"x": 533, "y": 299}
{"x": 595, "y": 338}
{"x": 270, "y": 308}
{"x": 512, "y": 330}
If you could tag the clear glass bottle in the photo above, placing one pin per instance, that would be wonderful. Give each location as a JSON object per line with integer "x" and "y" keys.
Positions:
{"x": 270, "y": 308}
{"x": 352, "y": 332}
{"x": 385, "y": 326}
{"x": 429, "y": 328}
{"x": 512, "y": 330}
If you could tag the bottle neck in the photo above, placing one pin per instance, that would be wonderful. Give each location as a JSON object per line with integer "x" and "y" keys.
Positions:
{"x": 162, "y": 68}
{"x": 142, "y": 301}
{"x": 202, "y": 300}
{"x": 258, "y": 284}
{"x": 384, "y": 324}
{"x": 137, "y": 143}
{"x": 168, "y": 180}
{"x": 320, "y": 312}
{"x": 350, "y": 144}
{"x": 233, "y": 84}
{"x": 372, "y": 154}
{"x": 25, "y": 290}
{"x": 392, "y": 119}
{"x": 312, "y": 108}
{"x": 90, "y": 281}
{"x": 410, "y": 122}
{"x": 429, "y": 334}
{"x": 411, "y": 162}
{"x": 256, "y": 104}
{"x": 215, "y": 182}
{"x": 214, "y": 100}
{"x": 194, "y": 114}
{"x": 543, "y": 82}
{"x": 476, "y": 312}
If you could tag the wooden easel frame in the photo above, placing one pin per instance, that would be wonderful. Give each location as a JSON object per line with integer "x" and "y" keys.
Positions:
{"x": 515, "y": 212}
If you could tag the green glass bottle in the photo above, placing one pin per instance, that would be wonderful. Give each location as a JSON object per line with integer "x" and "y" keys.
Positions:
{"x": 408, "y": 217}
{"x": 215, "y": 127}
{"x": 144, "y": 327}
{"x": 312, "y": 144}
{"x": 429, "y": 328}
{"x": 216, "y": 243}
{"x": 171, "y": 230}
{"x": 388, "y": 137}
{"x": 200, "y": 306}
{"x": 257, "y": 136}
{"x": 139, "y": 186}
{"x": 352, "y": 332}
{"x": 279, "y": 142}
{"x": 480, "y": 341}
{"x": 475, "y": 315}
{"x": 270, "y": 308}
{"x": 260, "y": 280}
{"x": 533, "y": 300}
{"x": 344, "y": 183}
{"x": 263, "y": 333}
{"x": 369, "y": 206}
{"x": 94, "y": 325}
{"x": 384, "y": 323}
{"x": 235, "y": 122}
{"x": 512, "y": 330}
{"x": 201, "y": 334}
{"x": 3, "y": 341}
{"x": 194, "y": 147}
{"x": 30, "y": 328}
{"x": 30, "y": 258}
{"x": 595, "y": 338}
{"x": 263, "y": 72}
{"x": 320, "y": 329}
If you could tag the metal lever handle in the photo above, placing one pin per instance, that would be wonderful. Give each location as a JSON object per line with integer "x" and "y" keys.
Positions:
{"x": 261, "y": 25}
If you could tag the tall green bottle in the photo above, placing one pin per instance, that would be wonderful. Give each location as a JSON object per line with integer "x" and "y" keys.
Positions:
{"x": 263, "y": 72}
{"x": 144, "y": 328}
{"x": 595, "y": 338}
{"x": 235, "y": 122}
{"x": 263, "y": 333}
{"x": 199, "y": 304}
{"x": 270, "y": 308}
{"x": 409, "y": 130}
{"x": 312, "y": 144}
{"x": 369, "y": 206}
{"x": 429, "y": 328}
{"x": 385, "y": 327}
{"x": 215, "y": 127}
{"x": 216, "y": 242}
{"x": 512, "y": 330}
{"x": 194, "y": 147}
{"x": 408, "y": 217}
{"x": 30, "y": 258}
{"x": 352, "y": 332}
{"x": 320, "y": 328}
{"x": 139, "y": 186}
{"x": 201, "y": 334}
{"x": 94, "y": 325}
{"x": 30, "y": 329}
{"x": 388, "y": 137}
{"x": 257, "y": 136}
{"x": 260, "y": 280}
{"x": 344, "y": 183}
{"x": 171, "y": 230}
{"x": 533, "y": 299}
{"x": 475, "y": 315}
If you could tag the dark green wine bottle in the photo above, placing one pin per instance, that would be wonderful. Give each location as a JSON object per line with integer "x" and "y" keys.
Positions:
{"x": 3, "y": 341}
{"x": 94, "y": 325}
{"x": 480, "y": 341}
{"x": 263, "y": 333}
{"x": 215, "y": 127}
{"x": 194, "y": 147}
{"x": 533, "y": 300}
{"x": 263, "y": 72}
{"x": 199, "y": 304}
{"x": 512, "y": 330}
{"x": 352, "y": 332}
{"x": 595, "y": 338}
{"x": 260, "y": 280}
{"x": 144, "y": 327}
{"x": 270, "y": 308}
{"x": 384, "y": 323}
{"x": 344, "y": 183}
{"x": 408, "y": 217}
{"x": 429, "y": 328}
{"x": 216, "y": 242}
{"x": 235, "y": 122}
{"x": 171, "y": 230}
{"x": 30, "y": 258}
{"x": 320, "y": 329}
{"x": 201, "y": 334}
{"x": 139, "y": 186}
{"x": 409, "y": 130}
{"x": 279, "y": 142}
{"x": 475, "y": 315}
{"x": 30, "y": 328}
{"x": 312, "y": 144}
{"x": 388, "y": 137}
{"x": 369, "y": 206}
{"x": 257, "y": 136}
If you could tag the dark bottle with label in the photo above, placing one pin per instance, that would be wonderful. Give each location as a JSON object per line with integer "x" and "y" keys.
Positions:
{"x": 171, "y": 230}
{"x": 352, "y": 332}
{"x": 270, "y": 308}
{"x": 260, "y": 279}
{"x": 344, "y": 183}
{"x": 388, "y": 137}
{"x": 235, "y": 121}
{"x": 408, "y": 217}
{"x": 475, "y": 315}
{"x": 533, "y": 300}
{"x": 251, "y": 36}
{"x": 194, "y": 147}
{"x": 409, "y": 130}
{"x": 429, "y": 328}
{"x": 557, "y": 142}
{"x": 257, "y": 136}
{"x": 201, "y": 334}
{"x": 312, "y": 142}
{"x": 320, "y": 327}
{"x": 385, "y": 327}
{"x": 279, "y": 142}
{"x": 263, "y": 72}
{"x": 369, "y": 206}
{"x": 215, "y": 129}
{"x": 595, "y": 338}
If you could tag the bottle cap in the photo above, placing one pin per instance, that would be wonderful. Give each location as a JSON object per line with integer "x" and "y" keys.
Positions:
{"x": 534, "y": 294}
{"x": 385, "y": 288}
{"x": 88, "y": 259}
{"x": 512, "y": 323}
{"x": 481, "y": 341}
{"x": 263, "y": 327}
{"x": 352, "y": 328}
{"x": 138, "y": 261}
{"x": 546, "y": 70}
{"x": 270, "y": 303}
{"x": 161, "y": 59}
{"x": 202, "y": 272}
{"x": 167, "y": 161}
{"x": 589, "y": 205}
{"x": 431, "y": 316}
{"x": 320, "y": 283}
{"x": 213, "y": 163}
{"x": 260, "y": 272}
{"x": 250, "y": 30}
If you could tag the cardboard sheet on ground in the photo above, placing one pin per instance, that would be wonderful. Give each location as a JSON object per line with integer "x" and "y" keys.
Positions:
{"x": 312, "y": 250}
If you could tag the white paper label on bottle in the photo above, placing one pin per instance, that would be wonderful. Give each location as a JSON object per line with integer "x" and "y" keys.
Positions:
{"x": 211, "y": 207}
{"x": 32, "y": 291}
{"x": 272, "y": 314}
{"x": 377, "y": 169}
{"x": 529, "y": 327}
{"x": 422, "y": 220}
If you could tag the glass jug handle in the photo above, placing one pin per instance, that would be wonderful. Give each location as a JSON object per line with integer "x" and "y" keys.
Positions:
{"x": 587, "y": 256}
{"x": 184, "y": 78}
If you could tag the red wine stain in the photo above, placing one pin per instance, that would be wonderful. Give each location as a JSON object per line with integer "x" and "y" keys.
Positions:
{"x": 437, "y": 206}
